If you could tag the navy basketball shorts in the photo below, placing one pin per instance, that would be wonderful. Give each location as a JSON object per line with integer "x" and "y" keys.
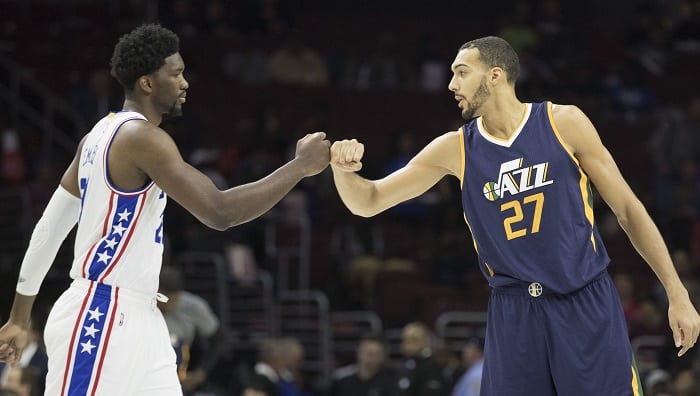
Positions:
{"x": 104, "y": 340}
{"x": 546, "y": 344}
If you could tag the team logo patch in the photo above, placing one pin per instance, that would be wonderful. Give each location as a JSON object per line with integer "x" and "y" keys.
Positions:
{"x": 490, "y": 191}
{"x": 514, "y": 178}
{"x": 535, "y": 289}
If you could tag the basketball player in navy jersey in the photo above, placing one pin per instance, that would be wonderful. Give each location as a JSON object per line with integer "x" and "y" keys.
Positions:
{"x": 105, "y": 334}
{"x": 555, "y": 322}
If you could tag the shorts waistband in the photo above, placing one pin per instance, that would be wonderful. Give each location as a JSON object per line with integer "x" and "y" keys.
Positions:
{"x": 536, "y": 289}
{"x": 104, "y": 290}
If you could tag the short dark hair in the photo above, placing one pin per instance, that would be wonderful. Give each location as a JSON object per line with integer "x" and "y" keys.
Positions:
{"x": 142, "y": 51}
{"x": 496, "y": 52}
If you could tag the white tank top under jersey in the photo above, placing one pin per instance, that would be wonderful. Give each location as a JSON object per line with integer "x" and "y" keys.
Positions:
{"x": 120, "y": 233}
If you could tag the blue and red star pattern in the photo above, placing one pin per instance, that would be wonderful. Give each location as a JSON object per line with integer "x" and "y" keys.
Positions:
{"x": 107, "y": 249}
{"x": 92, "y": 340}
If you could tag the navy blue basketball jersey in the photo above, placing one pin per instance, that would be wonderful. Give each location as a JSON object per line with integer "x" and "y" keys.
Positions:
{"x": 529, "y": 207}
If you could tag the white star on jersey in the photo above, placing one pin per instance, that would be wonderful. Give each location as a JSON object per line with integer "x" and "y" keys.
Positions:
{"x": 118, "y": 229}
{"x": 124, "y": 215}
{"x": 95, "y": 314}
{"x": 87, "y": 347}
{"x": 90, "y": 330}
{"x": 110, "y": 243}
{"x": 103, "y": 257}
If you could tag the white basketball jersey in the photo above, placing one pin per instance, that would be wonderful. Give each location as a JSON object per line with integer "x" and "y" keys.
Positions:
{"x": 119, "y": 240}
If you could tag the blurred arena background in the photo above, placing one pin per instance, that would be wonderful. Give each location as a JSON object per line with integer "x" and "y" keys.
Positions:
{"x": 263, "y": 73}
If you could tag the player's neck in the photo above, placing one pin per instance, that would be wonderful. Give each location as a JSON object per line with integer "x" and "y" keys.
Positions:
{"x": 148, "y": 111}
{"x": 503, "y": 117}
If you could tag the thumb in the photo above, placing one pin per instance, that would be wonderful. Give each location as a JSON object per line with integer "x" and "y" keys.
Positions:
{"x": 677, "y": 333}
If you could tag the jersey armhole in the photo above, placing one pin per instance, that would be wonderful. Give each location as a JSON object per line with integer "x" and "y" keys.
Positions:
{"x": 149, "y": 183}
{"x": 557, "y": 134}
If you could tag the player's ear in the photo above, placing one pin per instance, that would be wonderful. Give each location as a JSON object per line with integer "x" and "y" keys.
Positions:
{"x": 145, "y": 83}
{"x": 496, "y": 74}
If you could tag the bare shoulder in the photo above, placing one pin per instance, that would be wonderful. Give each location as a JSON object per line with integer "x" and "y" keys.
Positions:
{"x": 141, "y": 130}
{"x": 138, "y": 138}
{"x": 574, "y": 127}
{"x": 140, "y": 151}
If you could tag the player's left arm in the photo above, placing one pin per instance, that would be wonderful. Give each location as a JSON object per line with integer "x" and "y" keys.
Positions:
{"x": 583, "y": 141}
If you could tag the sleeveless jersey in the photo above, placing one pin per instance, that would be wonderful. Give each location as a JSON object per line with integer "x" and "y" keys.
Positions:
{"x": 529, "y": 207}
{"x": 119, "y": 237}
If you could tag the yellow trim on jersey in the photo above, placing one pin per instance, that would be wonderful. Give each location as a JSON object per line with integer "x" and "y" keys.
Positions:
{"x": 557, "y": 134}
{"x": 583, "y": 181}
{"x": 475, "y": 247}
{"x": 462, "y": 156}
{"x": 489, "y": 268}
{"x": 636, "y": 385}
{"x": 470, "y": 231}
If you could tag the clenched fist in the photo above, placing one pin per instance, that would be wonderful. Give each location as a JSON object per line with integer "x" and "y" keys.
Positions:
{"x": 346, "y": 155}
{"x": 313, "y": 153}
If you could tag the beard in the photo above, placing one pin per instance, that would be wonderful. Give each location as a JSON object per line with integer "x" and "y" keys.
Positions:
{"x": 482, "y": 93}
{"x": 174, "y": 111}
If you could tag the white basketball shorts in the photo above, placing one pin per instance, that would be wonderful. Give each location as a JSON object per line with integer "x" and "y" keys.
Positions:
{"x": 107, "y": 340}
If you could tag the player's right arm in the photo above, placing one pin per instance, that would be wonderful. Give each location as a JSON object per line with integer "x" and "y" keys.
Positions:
{"x": 152, "y": 151}
{"x": 367, "y": 198}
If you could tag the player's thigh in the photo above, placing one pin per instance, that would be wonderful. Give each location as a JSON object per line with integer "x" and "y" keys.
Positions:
{"x": 160, "y": 376}
{"x": 58, "y": 333}
{"x": 515, "y": 350}
{"x": 590, "y": 351}
{"x": 143, "y": 349}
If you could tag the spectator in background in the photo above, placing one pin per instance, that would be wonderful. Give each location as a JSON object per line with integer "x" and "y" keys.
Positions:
{"x": 190, "y": 320}
{"x": 420, "y": 374}
{"x": 629, "y": 91}
{"x": 98, "y": 98}
{"x": 676, "y": 138}
{"x": 624, "y": 283}
{"x": 657, "y": 383}
{"x": 278, "y": 370}
{"x": 24, "y": 381}
{"x": 687, "y": 381}
{"x": 415, "y": 211}
{"x": 649, "y": 320}
{"x": 295, "y": 63}
{"x": 292, "y": 381}
{"x": 246, "y": 60}
{"x": 369, "y": 376}
{"x": 473, "y": 360}
{"x": 267, "y": 371}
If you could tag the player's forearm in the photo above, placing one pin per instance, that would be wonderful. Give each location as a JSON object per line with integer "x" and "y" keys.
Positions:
{"x": 357, "y": 193}
{"x": 21, "y": 312}
{"x": 249, "y": 201}
{"x": 58, "y": 219}
{"x": 647, "y": 240}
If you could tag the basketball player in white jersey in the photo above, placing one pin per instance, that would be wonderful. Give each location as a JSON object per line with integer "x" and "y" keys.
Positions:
{"x": 104, "y": 335}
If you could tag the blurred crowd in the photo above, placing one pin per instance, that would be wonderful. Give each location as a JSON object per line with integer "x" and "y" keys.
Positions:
{"x": 263, "y": 72}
